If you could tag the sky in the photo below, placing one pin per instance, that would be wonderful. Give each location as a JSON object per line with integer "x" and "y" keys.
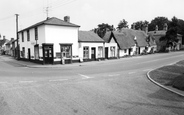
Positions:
{"x": 86, "y": 13}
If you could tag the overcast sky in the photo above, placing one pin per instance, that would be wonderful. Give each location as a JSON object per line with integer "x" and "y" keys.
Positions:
{"x": 86, "y": 13}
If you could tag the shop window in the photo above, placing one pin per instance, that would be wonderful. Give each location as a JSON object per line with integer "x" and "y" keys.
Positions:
{"x": 86, "y": 52}
{"x": 100, "y": 52}
{"x": 66, "y": 51}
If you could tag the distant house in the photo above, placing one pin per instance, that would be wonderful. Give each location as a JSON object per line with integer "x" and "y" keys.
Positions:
{"x": 157, "y": 34}
{"x": 91, "y": 46}
{"x": 2, "y": 45}
{"x": 9, "y": 49}
{"x": 50, "y": 41}
{"x": 14, "y": 48}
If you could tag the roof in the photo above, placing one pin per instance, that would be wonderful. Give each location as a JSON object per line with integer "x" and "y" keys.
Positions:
{"x": 3, "y": 41}
{"x": 52, "y": 21}
{"x": 88, "y": 36}
{"x": 107, "y": 36}
{"x": 157, "y": 33}
{"x": 140, "y": 36}
{"x": 124, "y": 41}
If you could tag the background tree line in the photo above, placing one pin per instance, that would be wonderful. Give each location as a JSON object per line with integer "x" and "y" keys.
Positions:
{"x": 175, "y": 26}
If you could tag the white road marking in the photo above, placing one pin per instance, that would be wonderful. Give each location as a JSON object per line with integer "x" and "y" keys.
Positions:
{"x": 84, "y": 76}
{"x": 114, "y": 75}
{"x": 132, "y": 72}
{"x": 26, "y": 81}
{"x": 58, "y": 80}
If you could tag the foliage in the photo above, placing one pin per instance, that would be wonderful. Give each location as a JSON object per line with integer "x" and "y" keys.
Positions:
{"x": 122, "y": 24}
{"x": 139, "y": 25}
{"x": 102, "y": 29}
{"x": 159, "y": 21}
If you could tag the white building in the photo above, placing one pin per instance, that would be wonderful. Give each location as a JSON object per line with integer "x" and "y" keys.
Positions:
{"x": 50, "y": 41}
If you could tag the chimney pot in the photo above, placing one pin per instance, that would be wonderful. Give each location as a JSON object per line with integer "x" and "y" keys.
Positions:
{"x": 67, "y": 18}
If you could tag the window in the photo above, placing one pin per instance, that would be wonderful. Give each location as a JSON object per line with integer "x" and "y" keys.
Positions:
{"x": 36, "y": 33}
{"x": 86, "y": 52}
{"x": 66, "y": 51}
{"x": 22, "y": 36}
{"x": 125, "y": 50}
{"x": 112, "y": 49}
{"x": 100, "y": 52}
{"x": 28, "y": 35}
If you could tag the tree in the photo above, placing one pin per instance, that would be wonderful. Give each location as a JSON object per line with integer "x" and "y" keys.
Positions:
{"x": 139, "y": 25}
{"x": 171, "y": 35}
{"x": 122, "y": 24}
{"x": 103, "y": 28}
{"x": 158, "y": 21}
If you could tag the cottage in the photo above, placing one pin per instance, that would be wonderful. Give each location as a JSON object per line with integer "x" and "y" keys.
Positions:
{"x": 157, "y": 34}
{"x": 130, "y": 42}
{"x": 50, "y": 41}
{"x": 91, "y": 46}
{"x": 111, "y": 46}
{"x": 2, "y": 45}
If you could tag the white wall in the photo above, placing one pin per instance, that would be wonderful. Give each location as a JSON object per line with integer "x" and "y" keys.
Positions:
{"x": 62, "y": 34}
{"x": 90, "y": 45}
{"x": 112, "y": 43}
{"x": 30, "y": 44}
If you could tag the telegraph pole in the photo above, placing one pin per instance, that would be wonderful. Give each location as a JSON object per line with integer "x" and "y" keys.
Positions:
{"x": 18, "y": 53}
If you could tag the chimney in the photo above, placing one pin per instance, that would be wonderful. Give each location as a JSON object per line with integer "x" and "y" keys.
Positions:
{"x": 165, "y": 27}
{"x": 156, "y": 28}
{"x": 12, "y": 39}
{"x": 67, "y": 18}
{"x": 4, "y": 37}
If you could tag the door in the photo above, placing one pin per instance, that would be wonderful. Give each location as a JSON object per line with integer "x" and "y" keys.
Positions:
{"x": 93, "y": 53}
{"x": 48, "y": 54}
{"x": 29, "y": 54}
{"x": 106, "y": 52}
{"x": 129, "y": 51}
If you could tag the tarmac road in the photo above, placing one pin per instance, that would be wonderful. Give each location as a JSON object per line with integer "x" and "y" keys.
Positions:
{"x": 112, "y": 87}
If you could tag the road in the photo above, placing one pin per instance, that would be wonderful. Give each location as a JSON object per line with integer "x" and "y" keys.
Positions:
{"x": 112, "y": 87}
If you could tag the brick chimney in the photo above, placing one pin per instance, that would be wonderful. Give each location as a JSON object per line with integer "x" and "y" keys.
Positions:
{"x": 67, "y": 18}
{"x": 146, "y": 28}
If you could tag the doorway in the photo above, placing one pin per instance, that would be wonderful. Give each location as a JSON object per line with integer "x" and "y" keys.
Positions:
{"x": 93, "y": 53}
{"x": 48, "y": 57}
{"x": 29, "y": 54}
{"x": 106, "y": 52}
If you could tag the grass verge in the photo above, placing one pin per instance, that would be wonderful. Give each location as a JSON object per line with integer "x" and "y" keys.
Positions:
{"x": 172, "y": 75}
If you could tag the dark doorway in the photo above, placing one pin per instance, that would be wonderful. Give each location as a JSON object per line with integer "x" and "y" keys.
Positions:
{"x": 29, "y": 54}
{"x": 106, "y": 53}
{"x": 48, "y": 57}
{"x": 129, "y": 51}
{"x": 93, "y": 53}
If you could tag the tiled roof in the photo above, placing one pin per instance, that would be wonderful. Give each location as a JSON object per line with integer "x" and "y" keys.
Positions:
{"x": 52, "y": 21}
{"x": 88, "y": 36}
{"x": 3, "y": 41}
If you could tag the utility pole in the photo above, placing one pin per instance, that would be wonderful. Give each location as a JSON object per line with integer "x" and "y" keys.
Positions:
{"x": 18, "y": 53}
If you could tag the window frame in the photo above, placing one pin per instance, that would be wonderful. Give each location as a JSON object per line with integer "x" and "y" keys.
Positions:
{"x": 100, "y": 52}
{"x": 36, "y": 33}
{"x": 22, "y": 33}
{"x": 28, "y": 35}
{"x": 86, "y": 52}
